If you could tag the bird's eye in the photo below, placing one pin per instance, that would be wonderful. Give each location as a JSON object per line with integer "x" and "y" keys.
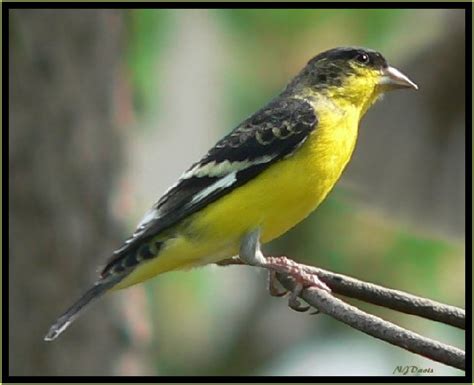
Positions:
{"x": 363, "y": 58}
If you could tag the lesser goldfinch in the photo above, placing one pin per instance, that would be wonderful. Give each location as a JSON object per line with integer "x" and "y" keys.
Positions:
{"x": 257, "y": 182}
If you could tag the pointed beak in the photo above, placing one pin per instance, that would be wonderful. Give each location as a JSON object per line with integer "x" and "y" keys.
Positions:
{"x": 392, "y": 79}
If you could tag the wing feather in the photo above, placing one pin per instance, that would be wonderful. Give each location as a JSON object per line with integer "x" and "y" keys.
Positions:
{"x": 266, "y": 137}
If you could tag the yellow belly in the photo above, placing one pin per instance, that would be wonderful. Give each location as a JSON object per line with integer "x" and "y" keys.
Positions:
{"x": 277, "y": 200}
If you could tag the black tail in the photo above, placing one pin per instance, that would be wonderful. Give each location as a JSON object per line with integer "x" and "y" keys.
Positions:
{"x": 75, "y": 310}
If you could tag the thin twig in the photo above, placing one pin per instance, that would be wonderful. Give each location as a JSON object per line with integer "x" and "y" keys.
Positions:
{"x": 389, "y": 298}
{"x": 382, "y": 296}
{"x": 377, "y": 327}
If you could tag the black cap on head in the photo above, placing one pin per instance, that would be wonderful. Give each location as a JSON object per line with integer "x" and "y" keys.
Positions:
{"x": 331, "y": 68}
{"x": 365, "y": 56}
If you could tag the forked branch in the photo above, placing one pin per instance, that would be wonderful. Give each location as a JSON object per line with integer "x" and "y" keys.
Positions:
{"x": 375, "y": 326}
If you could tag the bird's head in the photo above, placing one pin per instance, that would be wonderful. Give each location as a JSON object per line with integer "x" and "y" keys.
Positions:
{"x": 351, "y": 75}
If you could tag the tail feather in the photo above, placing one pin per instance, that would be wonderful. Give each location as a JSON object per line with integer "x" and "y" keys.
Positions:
{"x": 95, "y": 292}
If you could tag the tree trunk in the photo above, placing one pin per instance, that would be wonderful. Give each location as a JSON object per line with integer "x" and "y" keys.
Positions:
{"x": 64, "y": 158}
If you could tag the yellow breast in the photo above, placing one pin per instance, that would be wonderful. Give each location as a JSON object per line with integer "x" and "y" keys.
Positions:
{"x": 286, "y": 192}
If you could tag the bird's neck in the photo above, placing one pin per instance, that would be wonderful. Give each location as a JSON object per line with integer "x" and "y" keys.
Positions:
{"x": 337, "y": 103}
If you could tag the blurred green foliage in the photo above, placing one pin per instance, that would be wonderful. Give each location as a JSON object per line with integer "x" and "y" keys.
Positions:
{"x": 367, "y": 23}
{"x": 147, "y": 32}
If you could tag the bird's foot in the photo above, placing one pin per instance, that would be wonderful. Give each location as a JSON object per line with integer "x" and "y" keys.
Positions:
{"x": 285, "y": 265}
{"x": 302, "y": 280}
{"x": 251, "y": 254}
{"x": 294, "y": 301}
{"x": 272, "y": 285}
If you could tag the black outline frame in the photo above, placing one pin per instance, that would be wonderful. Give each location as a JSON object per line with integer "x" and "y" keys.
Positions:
{"x": 466, "y": 6}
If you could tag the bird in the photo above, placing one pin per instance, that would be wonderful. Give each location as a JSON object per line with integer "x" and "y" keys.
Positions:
{"x": 268, "y": 174}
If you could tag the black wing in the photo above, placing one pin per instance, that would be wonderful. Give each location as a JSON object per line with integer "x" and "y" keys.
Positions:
{"x": 266, "y": 137}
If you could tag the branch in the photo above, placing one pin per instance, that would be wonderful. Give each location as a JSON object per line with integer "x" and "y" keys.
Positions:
{"x": 397, "y": 300}
{"x": 389, "y": 298}
{"x": 379, "y": 328}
